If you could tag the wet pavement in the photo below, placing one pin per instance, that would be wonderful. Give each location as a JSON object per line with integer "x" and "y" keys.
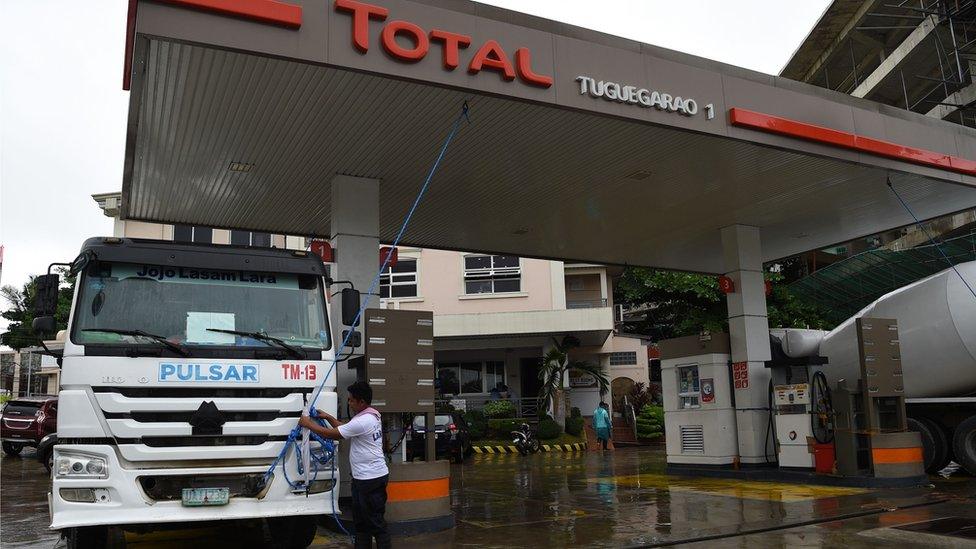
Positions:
{"x": 568, "y": 499}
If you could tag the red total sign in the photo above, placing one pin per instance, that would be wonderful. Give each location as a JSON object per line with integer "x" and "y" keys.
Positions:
{"x": 489, "y": 56}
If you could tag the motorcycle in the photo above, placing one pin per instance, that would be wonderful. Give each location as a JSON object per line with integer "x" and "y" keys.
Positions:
{"x": 525, "y": 441}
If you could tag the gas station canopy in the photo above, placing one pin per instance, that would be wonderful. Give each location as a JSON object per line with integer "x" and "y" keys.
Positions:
{"x": 581, "y": 146}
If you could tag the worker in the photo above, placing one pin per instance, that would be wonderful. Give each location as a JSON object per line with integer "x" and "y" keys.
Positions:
{"x": 602, "y": 424}
{"x": 369, "y": 471}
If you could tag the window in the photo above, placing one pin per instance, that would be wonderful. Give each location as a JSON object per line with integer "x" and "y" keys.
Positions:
{"x": 624, "y": 358}
{"x": 400, "y": 280}
{"x": 470, "y": 377}
{"x": 189, "y": 233}
{"x": 248, "y": 238}
{"x": 186, "y": 302}
{"x": 688, "y": 387}
{"x": 494, "y": 374}
{"x": 492, "y": 274}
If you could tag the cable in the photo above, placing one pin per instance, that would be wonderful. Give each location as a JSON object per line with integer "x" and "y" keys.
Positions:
{"x": 822, "y": 408}
{"x": 769, "y": 424}
{"x": 326, "y": 453}
{"x": 931, "y": 238}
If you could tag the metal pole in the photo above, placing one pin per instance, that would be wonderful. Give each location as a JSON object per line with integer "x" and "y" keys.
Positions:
{"x": 30, "y": 366}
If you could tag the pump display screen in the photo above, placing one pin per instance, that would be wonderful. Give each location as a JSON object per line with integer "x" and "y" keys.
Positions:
{"x": 183, "y": 304}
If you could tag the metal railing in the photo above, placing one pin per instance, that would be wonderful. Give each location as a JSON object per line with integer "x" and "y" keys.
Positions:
{"x": 630, "y": 416}
{"x": 586, "y": 304}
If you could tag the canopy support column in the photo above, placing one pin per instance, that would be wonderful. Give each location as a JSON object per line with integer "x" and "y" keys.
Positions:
{"x": 749, "y": 335}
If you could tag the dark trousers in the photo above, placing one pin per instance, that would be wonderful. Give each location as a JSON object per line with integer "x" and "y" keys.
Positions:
{"x": 368, "y": 508}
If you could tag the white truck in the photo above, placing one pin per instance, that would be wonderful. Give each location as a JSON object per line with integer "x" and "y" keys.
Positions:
{"x": 185, "y": 367}
{"x": 937, "y": 337}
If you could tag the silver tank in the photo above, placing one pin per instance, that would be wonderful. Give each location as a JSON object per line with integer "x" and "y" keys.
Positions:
{"x": 936, "y": 329}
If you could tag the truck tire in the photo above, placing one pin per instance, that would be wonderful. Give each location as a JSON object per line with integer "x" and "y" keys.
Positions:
{"x": 964, "y": 444}
{"x": 292, "y": 532}
{"x": 935, "y": 444}
{"x": 12, "y": 449}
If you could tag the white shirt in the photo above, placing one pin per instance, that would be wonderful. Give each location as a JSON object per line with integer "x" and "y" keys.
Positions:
{"x": 365, "y": 435}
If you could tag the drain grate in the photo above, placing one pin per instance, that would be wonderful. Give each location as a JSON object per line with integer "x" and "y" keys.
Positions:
{"x": 958, "y": 527}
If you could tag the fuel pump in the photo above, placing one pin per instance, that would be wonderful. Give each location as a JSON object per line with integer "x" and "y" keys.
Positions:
{"x": 797, "y": 414}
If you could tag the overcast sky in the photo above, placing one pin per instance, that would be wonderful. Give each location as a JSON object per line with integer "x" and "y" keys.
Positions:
{"x": 63, "y": 111}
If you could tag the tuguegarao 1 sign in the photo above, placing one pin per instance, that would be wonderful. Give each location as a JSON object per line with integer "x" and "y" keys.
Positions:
{"x": 643, "y": 97}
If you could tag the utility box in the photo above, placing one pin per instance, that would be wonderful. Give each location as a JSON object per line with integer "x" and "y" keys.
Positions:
{"x": 399, "y": 362}
{"x": 699, "y": 413}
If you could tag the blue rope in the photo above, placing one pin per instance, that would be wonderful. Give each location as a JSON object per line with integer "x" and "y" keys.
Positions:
{"x": 326, "y": 454}
{"x": 396, "y": 241}
{"x": 931, "y": 238}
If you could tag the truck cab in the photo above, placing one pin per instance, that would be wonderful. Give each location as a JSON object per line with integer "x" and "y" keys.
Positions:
{"x": 185, "y": 367}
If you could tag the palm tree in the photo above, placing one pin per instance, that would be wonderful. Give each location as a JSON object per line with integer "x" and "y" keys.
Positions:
{"x": 555, "y": 365}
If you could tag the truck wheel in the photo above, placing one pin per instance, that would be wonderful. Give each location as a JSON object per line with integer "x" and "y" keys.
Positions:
{"x": 12, "y": 449}
{"x": 935, "y": 446}
{"x": 47, "y": 459}
{"x": 89, "y": 537}
{"x": 964, "y": 444}
{"x": 292, "y": 532}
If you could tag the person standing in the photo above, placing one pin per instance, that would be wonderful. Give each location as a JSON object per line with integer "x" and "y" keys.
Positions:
{"x": 369, "y": 471}
{"x": 602, "y": 424}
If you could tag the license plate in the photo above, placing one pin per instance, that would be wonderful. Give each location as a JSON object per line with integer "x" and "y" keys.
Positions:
{"x": 198, "y": 497}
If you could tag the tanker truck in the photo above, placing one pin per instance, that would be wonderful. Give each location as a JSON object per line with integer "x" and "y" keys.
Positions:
{"x": 937, "y": 336}
{"x": 185, "y": 368}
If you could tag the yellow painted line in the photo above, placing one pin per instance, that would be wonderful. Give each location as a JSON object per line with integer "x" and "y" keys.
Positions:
{"x": 501, "y": 449}
{"x": 512, "y": 449}
{"x": 742, "y": 489}
{"x": 477, "y": 449}
{"x": 545, "y": 447}
{"x": 490, "y": 449}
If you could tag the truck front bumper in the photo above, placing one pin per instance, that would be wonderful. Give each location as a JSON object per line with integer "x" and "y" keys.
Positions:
{"x": 120, "y": 498}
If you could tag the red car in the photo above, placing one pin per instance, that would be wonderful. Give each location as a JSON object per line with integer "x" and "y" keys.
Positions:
{"x": 25, "y": 421}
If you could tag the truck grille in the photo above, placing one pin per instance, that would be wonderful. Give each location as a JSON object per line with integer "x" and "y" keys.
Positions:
{"x": 170, "y": 487}
{"x": 159, "y": 424}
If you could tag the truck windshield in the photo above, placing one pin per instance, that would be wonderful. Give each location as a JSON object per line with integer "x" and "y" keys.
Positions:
{"x": 182, "y": 304}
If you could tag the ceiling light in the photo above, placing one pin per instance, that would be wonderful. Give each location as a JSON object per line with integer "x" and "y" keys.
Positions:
{"x": 242, "y": 167}
{"x": 639, "y": 174}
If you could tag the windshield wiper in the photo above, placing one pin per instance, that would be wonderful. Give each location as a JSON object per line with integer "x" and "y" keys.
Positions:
{"x": 176, "y": 348}
{"x": 264, "y": 338}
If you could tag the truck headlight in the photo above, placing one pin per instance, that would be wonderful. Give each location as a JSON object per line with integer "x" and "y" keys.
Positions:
{"x": 76, "y": 465}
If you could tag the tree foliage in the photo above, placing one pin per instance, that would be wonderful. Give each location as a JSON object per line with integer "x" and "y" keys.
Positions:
{"x": 680, "y": 304}
{"x": 20, "y": 312}
{"x": 555, "y": 366}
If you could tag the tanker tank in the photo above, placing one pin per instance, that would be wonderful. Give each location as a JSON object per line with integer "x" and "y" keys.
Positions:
{"x": 936, "y": 330}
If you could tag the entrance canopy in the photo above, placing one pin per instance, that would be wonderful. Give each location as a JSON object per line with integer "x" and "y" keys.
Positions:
{"x": 581, "y": 146}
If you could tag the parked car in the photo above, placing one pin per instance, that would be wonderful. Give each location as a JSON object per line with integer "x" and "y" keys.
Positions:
{"x": 26, "y": 421}
{"x": 453, "y": 438}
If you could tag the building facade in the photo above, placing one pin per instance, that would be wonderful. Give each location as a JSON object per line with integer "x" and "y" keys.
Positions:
{"x": 495, "y": 316}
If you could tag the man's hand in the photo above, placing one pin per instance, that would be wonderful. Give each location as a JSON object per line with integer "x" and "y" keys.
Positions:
{"x": 307, "y": 422}
{"x": 314, "y": 426}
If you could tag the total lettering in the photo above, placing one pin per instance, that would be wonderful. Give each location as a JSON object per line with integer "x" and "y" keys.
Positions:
{"x": 489, "y": 56}
{"x": 242, "y": 373}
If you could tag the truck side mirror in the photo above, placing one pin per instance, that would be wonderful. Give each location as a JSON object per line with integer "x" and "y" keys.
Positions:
{"x": 43, "y": 325}
{"x": 350, "y": 307}
{"x": 46, "y": 294}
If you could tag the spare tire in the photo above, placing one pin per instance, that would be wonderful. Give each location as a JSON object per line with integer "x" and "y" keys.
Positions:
{"x": 935, "y": 447}
{"x": 964, "y": 444}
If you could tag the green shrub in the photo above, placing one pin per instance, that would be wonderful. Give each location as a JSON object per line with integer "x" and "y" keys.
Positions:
{"x": 650, "y": 422}
{"x": 575, "y": 412}
{"x": 548, "y": 429}
{"x": 499, "y": 409}
{"x": 574, "y": 426}
{"x": 477, "y": 424}
{"x": 502, "y": 428}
